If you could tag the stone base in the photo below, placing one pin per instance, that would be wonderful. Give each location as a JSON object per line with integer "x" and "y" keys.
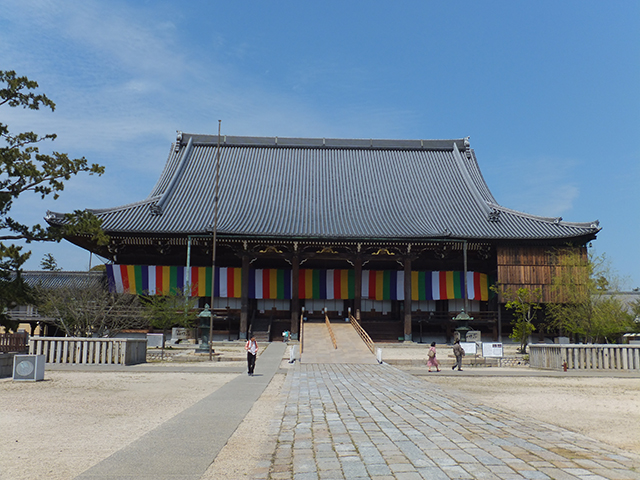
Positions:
{"x": 6, "y": 364}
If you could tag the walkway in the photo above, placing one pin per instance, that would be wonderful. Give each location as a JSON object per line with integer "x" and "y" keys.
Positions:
{"x": 361, "y": 422}
{"x": 184, "y": 447}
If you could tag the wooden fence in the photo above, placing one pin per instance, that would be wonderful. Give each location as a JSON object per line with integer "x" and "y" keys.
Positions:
{"x": 14, "y": 342}
{"x": 585, "y": 357}
{"x": 97, "y": 351}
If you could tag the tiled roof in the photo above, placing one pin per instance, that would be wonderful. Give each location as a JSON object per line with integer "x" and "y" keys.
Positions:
{"x": 328, "y": 188}
{"x": 63, "y": 279}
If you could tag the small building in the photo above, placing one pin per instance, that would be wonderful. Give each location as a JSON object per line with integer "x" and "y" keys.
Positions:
{"x": 405, "y": 233}
{"x": 28, "y": 316}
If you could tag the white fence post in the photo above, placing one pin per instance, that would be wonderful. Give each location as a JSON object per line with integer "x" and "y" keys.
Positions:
{"x": 88, "y": 351}
{"x": 585, "y": 357}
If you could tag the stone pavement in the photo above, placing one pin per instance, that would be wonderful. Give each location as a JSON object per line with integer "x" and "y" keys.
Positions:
{"x": 185, "y": 446}
{"x": 377, "y": 422}
{"x": 349, "y": 419}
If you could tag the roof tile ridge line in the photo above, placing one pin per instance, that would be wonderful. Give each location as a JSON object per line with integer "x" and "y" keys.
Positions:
{"x": 469, "y": 181}
{"x": 126, "y": 206}
{"x": 100, "y": 211}
{"x": 556, "y": 220}
{"x": 475, "y": 159}
{"x": 176, "y": 176}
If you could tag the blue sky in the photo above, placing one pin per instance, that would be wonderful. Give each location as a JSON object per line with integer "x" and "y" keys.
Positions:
{"x": 548, "y": 91}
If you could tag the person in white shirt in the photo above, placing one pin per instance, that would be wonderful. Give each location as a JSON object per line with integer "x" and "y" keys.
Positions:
{"x": 252, "y": 352}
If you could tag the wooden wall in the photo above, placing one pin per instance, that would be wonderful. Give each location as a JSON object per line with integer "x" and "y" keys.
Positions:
{"x": 532, "y": 267}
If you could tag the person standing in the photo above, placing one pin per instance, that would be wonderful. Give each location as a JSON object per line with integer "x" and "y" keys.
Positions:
{"x": 432, "y": 361}
{"x": 252, "y": 352}
{"x": 458, "y": 351}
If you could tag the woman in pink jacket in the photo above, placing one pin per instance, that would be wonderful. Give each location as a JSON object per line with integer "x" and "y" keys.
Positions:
{"x": 432, "y": 361}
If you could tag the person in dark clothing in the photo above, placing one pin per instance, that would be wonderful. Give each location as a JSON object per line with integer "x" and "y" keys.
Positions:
{"x": 458, "y": 351}
{"x": 252, "y": 352}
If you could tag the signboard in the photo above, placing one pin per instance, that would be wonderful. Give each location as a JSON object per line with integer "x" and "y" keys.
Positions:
{"x": 470, "y": 348}
{"x": 492, "y": 350}
{"x": 474, "y": 336}
{"x": 179, "y": 334}
{"x": 154, "y": 340}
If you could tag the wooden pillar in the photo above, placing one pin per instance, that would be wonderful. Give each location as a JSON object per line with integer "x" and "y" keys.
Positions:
{"x": 244, "y": 297}
{"x": 407, "y": 300}
{"x": 357, "y": 301}
{"x": 295, "y": 297}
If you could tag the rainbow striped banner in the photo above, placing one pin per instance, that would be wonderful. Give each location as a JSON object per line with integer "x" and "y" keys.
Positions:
{"x": 326, "y": 284}
{"x": 171, "y": 280}
{"x": 270, "y": 283}
{"x": 277, "y": 283}
{"x": 383, "y": 284}
{"x": 448, "y": 285}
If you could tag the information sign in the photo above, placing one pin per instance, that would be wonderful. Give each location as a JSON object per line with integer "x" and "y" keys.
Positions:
{"x": 492, "y": 350}
{"x": 470, "y": 348}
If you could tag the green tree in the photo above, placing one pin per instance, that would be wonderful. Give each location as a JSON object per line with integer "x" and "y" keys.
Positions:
{"x": 166, "y": 312}
{"x": 635, "y": 311}
{"x": 49, "y": 263}
{"x": 13, "y": 290}
{"x": 586, "y": 306}
{"x": 525, "y": 303}
{"x": 23, "y": 169}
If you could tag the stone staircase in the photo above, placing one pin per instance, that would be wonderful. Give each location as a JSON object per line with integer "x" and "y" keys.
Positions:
{"x": 318, "y": 348}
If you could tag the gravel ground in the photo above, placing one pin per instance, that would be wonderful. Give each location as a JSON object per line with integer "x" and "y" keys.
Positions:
{"x": 58, "y": 428}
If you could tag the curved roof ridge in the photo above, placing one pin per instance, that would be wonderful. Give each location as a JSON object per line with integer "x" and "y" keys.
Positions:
{"x": 468, "y": 180}
{"x": 176, "y": 177}
{"x": 126, "y": 206}
{"x": 101, "y": 211}
{"x": 556, "y": 220}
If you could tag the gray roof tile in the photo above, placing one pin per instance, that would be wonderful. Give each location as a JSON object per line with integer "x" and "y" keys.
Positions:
{"x": 329, "y": 188}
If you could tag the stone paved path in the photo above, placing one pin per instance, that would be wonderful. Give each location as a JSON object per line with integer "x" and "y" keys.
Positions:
{"x": 376, "y": 422}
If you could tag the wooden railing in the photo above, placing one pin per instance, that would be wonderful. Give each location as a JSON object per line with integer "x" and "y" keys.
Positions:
{"x": 14, "y": 342}
{"x": 97, "y": 351}
{"x": 333, "y": 337}
{"x": 300, "y": 331}
{"x": 585, "y": 357}
{"x": 364, "y": 335}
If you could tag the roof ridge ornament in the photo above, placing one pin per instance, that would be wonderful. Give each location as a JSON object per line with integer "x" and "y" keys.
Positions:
{"x": 155, "y": 209}
{"x": 494, "y": 215}
{"x": 467, "y": 147}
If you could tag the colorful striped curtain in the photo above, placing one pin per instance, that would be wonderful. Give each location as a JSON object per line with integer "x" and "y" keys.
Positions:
{"x": 270, "y": 283}
{"x": 277, "y": 283}
{"x": 448, "y": 285}
{"x": 165, "y": 280}
{"x": 383, "y": 285}
{"x": 326, "y": 284}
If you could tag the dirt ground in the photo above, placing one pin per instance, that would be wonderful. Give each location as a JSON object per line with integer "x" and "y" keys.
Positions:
{"x": 606, "y": 409}
{"x": 60, "y": 427}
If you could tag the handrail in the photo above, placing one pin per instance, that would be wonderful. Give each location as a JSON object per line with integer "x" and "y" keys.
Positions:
{"x": 300, "y": 331}
{"x": 364, "y": 335}
{"x": 333, "y": 337}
